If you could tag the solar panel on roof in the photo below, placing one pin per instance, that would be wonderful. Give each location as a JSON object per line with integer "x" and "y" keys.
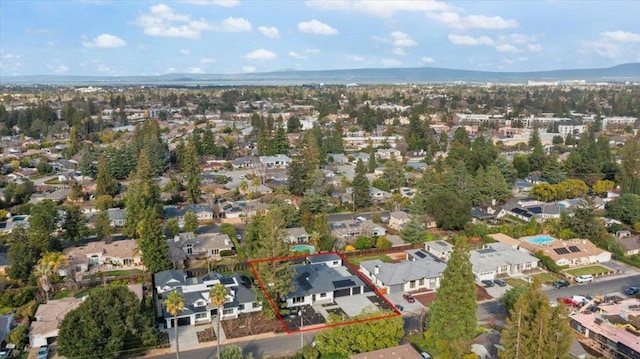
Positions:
{"x": 421, "y": 254}
{"x": 561, "y": 250}
{"x": 574, "y": 249}
{"x": 344, "y": 283}
{"x": 302, "y": 280}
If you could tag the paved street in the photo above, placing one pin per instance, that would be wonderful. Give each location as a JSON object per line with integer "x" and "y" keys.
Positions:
{"x": 599, "y": 286}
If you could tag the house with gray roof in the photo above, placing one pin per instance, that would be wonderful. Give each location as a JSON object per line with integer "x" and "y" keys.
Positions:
{"x": 117, "y": 217}
{"x": 297, "y": 235}
{"x": 420, "y": 271}
{"x": 351, "y": 229}
{"x": 195, "y": 291}
{"x": 275, "y": 161}
{"x": 499, "y": 259}
{"x": 439, "y": 249}
{"x": 322, "y": 278}
{"x": 209, "y": 245}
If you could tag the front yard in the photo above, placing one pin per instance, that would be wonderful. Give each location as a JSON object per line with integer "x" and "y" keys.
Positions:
{"x": 250, "y": 324}
{"x": 593, "y": 270}
{"x": 113, "y": 273}
{"x": 547, "y": 277}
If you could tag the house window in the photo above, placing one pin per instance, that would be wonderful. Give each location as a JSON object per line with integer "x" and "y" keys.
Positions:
{"x": 127, "y": 261}
{"x": 255, "y": 305}
{"x": 201, "y": 315}
{"x": 323, "y": 295}
{"x": 227, "y": 311}
{"x": 298, "y": 299}
{"x": 503, "y": 269}
{"x": 189, "y": 249}
{"x": 421, "y": 282}
{"x": 215, "y": 252}
{"x": 412, "y": 284}
{"x": 241, "y": 307}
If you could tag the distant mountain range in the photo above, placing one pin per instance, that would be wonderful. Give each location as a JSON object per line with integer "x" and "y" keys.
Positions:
{"x": 619, "y": 73}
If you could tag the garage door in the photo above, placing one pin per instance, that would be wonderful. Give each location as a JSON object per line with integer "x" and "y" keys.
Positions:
{"x": 356, "y": 290}
{"x": 342, "y": 293}
{"x": 182, "y": 321}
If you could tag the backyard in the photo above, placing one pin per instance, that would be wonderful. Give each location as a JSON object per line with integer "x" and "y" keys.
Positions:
{"x": 593, "y": 270}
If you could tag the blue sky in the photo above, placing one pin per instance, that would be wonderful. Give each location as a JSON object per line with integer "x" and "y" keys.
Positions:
{"x": 127, "y": 37}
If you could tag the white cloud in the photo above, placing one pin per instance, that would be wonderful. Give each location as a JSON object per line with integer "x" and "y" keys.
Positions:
{"x": 355, "y": 58}
{"x": 296, "y": 55}
{"x": 269, "y": 31}
{"x": 164, "y": 21}
{"x": 400, "y": 39}
{"x": 380, "y": 8}
{"x": 534, "y": 47}
{"x": 399, "y": 51}
{"x": 621, "y": 36}
{"x": 233, "y": 24}
{"x": 103, "y": 68}
{"x": 185, "y": 52}
{"x": 260, "y": 54}
{"x": 195, "y": 70}
{"x": 454, "y": 20}
{"x": 105, "y": 41}
{"x": 390, "y": 63}
{"x": 207, "y": 60}
{"x": 506, "y": 48}
{"x": 249, "y": 69}
{"x": 60, "y": 69}
{"x": 223, "y": 3}
{"x": 517, "y": 39}
{"x": 301, "y": 56}
{"x": 316, "y": 27}
{"x": 467, "y": 40}
{"x": 427, "y": 60}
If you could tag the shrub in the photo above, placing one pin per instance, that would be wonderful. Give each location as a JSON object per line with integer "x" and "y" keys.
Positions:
{"x": 27, "y": 311}
{"x": 548, "y": 262}
{"x": 19, "y": 336}
{"x": 226, "y": 253}
{"x": 16, "y": 297}
{"x": 383, "y": 242}
{"x": 364, "y": 242}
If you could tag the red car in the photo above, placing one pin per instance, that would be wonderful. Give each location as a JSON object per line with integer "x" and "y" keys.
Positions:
{"x": 409, "y": 298}
{"x": 568, "y": 301}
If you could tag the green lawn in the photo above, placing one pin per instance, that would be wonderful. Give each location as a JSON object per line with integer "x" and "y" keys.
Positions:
{"x": 516, "y": 282}
{"x": 5, "y": 310}
{"x": 356, "y": 260}
{"x": 114, "y": 273}
{"x": 597, "y": 269}
{"x": 547, "y": 277}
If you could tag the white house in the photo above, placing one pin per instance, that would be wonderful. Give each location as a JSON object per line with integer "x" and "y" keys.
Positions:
{"x": 398, "y": 219}
{"x": 47, "y": 320}
{"x": 498, "y": 259}
{"x": 276, "y": 161}
{"x": 297, "y": 235}
{"x": 439, "y": 249}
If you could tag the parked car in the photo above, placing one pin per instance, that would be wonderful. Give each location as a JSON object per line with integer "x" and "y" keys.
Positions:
{"x": 500, "y": 282}
{"x": 425, "y": 355}
{"x": 561, "y": 284}
{"x": 43, "y": 352}
{"x": 409, "y": 298}
{"x": 568, "y": 301}
{"x": 632, "y": 291}
{"x": 5, "y": 353}
{"x": 488, "y": 283}
{"x": 399, "y": 307}
{"x": 584, "y": 278}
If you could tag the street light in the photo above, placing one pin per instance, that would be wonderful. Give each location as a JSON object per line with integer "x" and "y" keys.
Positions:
{"x": 301, "y": 333}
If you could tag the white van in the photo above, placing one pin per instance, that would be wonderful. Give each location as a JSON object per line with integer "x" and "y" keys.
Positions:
{"x": 584, "y": 278}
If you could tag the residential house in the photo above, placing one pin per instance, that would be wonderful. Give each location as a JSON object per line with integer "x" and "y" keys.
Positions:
{"x": 351, "y": 229}
{"x": 209, "y": 245}
{"x": 44, "y": 329}
{"x": 117, "y": 217}
{"x": 195, "y": 293}
{"x": 203, "y": 213}
{"x": 4, "y": 263}
{"x": 57, "y": 195}
{"x": 246, "y": 162}
{"x": 297, "y": 235}
{"x": 398, "y": 219}
{"x": 522, "y": 186}
{"x": 572, "y": 252}
{"x": 388, "y": 153}
{"x": 322, "y": 278}
{"x": 439, "y": 249}
{"x": 13, "y": 222}
{"x": 613, "y": 330}
{"x": 630, "y": 245}
{"x": 276, "y": 161}
{"x": 498, "y": 259}
{"x": 117, "y": 254}
{"x": 403, "y": 351}
{"x": 339, "y": 158}
{"x": 421, "y": 272}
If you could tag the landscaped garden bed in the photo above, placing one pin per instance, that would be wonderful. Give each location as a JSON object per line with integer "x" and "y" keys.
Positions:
{"x": 250, "y": 324}
{"x": 163, "y": 340}
{"x": 592, "y": 270}
{"x": 206, "y": 335}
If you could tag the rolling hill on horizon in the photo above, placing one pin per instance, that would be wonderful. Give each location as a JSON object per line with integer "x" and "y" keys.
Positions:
{"x": 619, "y": 73}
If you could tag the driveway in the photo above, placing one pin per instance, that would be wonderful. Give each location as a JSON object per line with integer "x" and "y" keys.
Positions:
{"x": 186, "y": 335}
{"x": 409, "y": 308}
{"x": 496, "y": 291}
{"x": 353, "y": 305}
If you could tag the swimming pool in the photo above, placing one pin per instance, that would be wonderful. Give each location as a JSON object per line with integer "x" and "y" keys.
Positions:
{"x": 303, "y": 248}
{"x": 540, "y": 240}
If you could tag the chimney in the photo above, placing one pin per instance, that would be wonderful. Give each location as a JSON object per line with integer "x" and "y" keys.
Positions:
{"x": 376, "y": 269}
{"x": 176, "y": 238}
{"x": 226, "y": 241}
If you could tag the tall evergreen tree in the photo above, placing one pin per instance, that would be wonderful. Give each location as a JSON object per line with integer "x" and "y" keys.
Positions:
{"x": 534, "y": 330}
{"x": 361, "y": 196}
{"x": 154, "y": 248}
{"x": 394, "y": 173}
{"x": 271, "y": 243}
{"x": 142, "y": 196}
{"x": 102, "y": 225}
{"x": 297, "y": 179}
{"x": 105, "y": 183}
{"x": 371, "y": 163}
{"x": 280, "y": 142}
{"x": 452, "y": 321}
{"x": 75, "y": 223}
{"x": 191, "y": 165}
{"x": 492, "y": 184}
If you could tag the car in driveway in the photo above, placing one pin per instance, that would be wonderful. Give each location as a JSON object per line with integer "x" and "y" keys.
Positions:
{"x": 409, "y": 298}
{"x": 584, "y": 278}
{"x": 500, "y": 282}
{"x": 43, "y": 352}
{"x": 561, "y": 284}
{"x": 488, "y": 283}
{"x": 632, "y": 291}
{"x": 399, "y": 307}
{"x": 425, "y": 355}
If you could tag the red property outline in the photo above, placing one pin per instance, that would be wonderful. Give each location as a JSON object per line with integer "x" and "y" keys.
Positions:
{"x": 345, "y": 262}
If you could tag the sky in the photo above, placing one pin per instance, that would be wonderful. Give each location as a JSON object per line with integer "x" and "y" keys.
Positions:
{"x": 137, "y": 37}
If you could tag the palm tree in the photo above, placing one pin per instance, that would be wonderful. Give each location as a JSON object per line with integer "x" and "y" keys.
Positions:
{"x": 243, "y": 187}
{"x": 42, "y": 270}
{"x": 55, "y": 260}
{"x": 314, "y": 240}
{"x": 218, "y": 295}
{"x": 174, "y": 304}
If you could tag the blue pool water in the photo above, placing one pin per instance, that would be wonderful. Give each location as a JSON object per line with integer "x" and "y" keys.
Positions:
{"x": 540, "y": 240}
{"x": 303, "y": 248}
